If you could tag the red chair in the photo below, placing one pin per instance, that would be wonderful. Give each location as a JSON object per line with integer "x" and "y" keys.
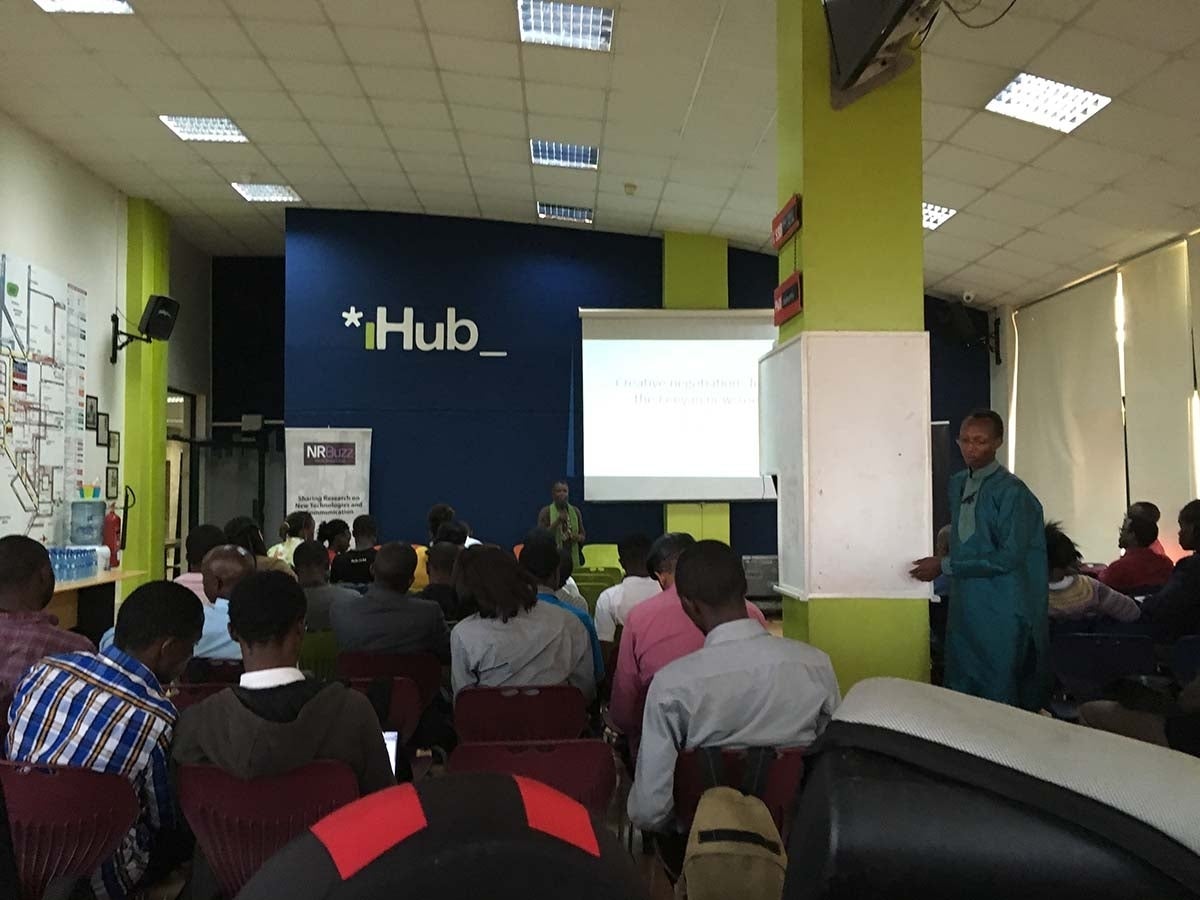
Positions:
{"x": 423, "y": 668}
{"x": 403, "y": 705}
{"x": 779, "y": 794}
{"x": 550, "y": 713}
{"x": 65, "y": 821}
{"x": 5, "y": 702}
{"x": 583, "y": 770}
{"x": 239, "y": 824}
{"x": 185, "y": 695}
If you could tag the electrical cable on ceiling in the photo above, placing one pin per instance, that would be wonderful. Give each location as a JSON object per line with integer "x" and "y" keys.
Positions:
{"x": 976, "y": 25}
{"x": 925, "y": 32}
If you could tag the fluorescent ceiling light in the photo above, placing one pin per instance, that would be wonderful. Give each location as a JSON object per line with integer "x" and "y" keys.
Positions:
{"x": 570, "y": 156}
{"x": 933, "y": 216}
{"x": 565, "y": 24}
{"x": 117, "y": 7}
{"x": 564, "y": 213}
{"x": 205, "y": 128}
{"x": 267, "y": 193}
{"x": 1050, "y": 104}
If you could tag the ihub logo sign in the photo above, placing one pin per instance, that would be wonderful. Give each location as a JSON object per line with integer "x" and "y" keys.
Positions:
{"x": 455, "y": 334}
{"x": 326, "y": 453}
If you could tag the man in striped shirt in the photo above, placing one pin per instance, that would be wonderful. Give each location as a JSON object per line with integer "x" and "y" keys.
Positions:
{"x": 107, "y": 711}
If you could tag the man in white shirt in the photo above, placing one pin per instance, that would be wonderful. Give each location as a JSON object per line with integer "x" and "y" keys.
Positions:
{"x": 615, "y": 603}
{"x": 743, "y": 688}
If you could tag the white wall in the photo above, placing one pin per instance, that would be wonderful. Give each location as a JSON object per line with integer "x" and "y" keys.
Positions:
{"x": 59, "y": 216}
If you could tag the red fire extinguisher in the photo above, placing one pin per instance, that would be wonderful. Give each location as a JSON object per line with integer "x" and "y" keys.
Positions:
{"x": 112, "y": 536}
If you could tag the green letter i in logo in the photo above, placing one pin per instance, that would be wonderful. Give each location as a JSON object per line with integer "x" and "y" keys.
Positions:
{"x": 370, "y": 335}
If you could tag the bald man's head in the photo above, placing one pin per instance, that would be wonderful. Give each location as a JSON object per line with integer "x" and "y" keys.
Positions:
{"x": 223, "y": 568}
{"x": 395, "y": 566}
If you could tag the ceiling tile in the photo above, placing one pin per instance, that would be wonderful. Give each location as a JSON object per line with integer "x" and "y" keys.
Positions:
{"x": 440, "y": 182}
{"x": 1135, "y": 210}
{"x": 473, "y": 56}
{"x": 385, "y": 46}
{"x": 939, "y": 121}
{"x": 1012, "y": 210}
{"x": 675, "y": 192}
{"x": 619, "y": 162}
{"x": 377, "y": 158}
{"x": 234, "y": 73}
{"x": 1042, "y": 186}
{"x": 478, "y": 90}
{"x": 1094, "y": 62}
{"x": 397, "y": 198}
{"x": 1090, "y": 231}
{"x": 976, "y": 228}
{"x": 413, "y": 113}
{"x": 257, "y": 104}
{"x": 1001, "y": 136}
{"x": 448, "y": 203}
{"x": 164, "y": 70}
{"x": 1137, "y": 129}
{"x": 615, "y": 184}
{"x": 1086, "y": 160}
{"x": 969, "y": 166}
{"x": 959, "y": 83}
{"x": 562, "y": 100}
{"x": 432, "y": 163}
{"x": 425, "y": 140}
{"x": 944, "y": 192}
{"x": 317, "y": 78}
{"x": 295, "y": 40}
{"x": 389, "y": 13}
{"x": 472, "y": 18}
{"x": 1051, "y": 248}
{"x": 564, "y": 179}
{"x": 399, "y": 84}
{"x": 1164, "y": 183}
{"x": 1011, "y": 42}
{"x": 112, "y": 34}
{"x": 270, "y": 131}
{"x": 1018, "y": 264}
{"x": 1171, "y": 89}
{"x": 345, "y": 134}
{"x": 987, "y": 280}
{"x": 511, "y": 190}
{"x": 298, "y": 154}
{"x": 966, "y": 249}
{"x": 215, "y": 37}
{"x": 283, "y": 10}
{"x": 501, "y": 122}
{"x": 562, "y": 128}
{"x": 328, "y": 108}
{"x": 555, "y": 65}
{"x": 1166, "y": 25}
{"x": 500, "y": 170}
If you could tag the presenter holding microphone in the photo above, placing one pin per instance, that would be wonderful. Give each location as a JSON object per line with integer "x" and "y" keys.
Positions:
{"x": 565, "y": 520}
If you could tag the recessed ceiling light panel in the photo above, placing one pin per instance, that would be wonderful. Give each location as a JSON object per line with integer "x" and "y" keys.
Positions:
{"x": 205, "y": 128}
{"x": 1050, "y": 104}
{"x": 570, "y": 156}
{"x": 564, "y": 213}
{"x": 113, "y": 7}
{"x": 565, "y": 24}
{"x": 933, "y": 216}
{"x": 267, "y": 193}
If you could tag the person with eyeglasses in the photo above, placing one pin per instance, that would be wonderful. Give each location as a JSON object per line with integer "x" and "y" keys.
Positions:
{"x": 997, "y": 637}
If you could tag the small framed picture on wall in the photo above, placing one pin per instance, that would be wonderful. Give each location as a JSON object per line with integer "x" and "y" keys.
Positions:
{"x": 91, "y": 409}
{"x": 101, "y": 429}
{"x": 112, "y": 482}
{"x": 114, "y": 447}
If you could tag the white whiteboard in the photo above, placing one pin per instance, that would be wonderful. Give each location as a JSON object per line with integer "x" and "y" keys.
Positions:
{"x": 849, "y": 439}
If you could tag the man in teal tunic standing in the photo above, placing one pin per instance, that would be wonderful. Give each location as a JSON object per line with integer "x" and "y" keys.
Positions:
{"x": 997, "y": 636}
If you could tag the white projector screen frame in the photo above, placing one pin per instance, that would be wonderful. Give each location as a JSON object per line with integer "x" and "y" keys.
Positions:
{"x": 614, "y": 448}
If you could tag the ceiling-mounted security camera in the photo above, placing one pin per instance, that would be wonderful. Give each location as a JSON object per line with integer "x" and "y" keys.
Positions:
{"x": 969, "y": 298}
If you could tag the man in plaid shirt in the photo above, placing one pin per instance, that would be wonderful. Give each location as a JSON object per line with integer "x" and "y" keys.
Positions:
{"x": 27, "y": 632}
{"x": 107, "y": 712}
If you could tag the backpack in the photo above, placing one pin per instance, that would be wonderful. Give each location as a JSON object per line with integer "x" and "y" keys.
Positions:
{"x": 734, "y": 848}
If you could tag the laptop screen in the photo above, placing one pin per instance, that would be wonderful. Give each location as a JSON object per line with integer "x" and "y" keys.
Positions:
{"x": 390, "y": 738}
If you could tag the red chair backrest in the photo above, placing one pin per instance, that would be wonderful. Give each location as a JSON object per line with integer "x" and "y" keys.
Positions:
{"x": 423, "y": 668}
{"x": 5, "y": 702}
{"x": 583, "y": 770}
{"x": 548, "y": 713}
{"x": 185, "y": 695}
{"x": 65, "y": 821}
{"x": 403, "y": 704}
{"x": 239, "y": 824}
{"x": 779, "y": 794}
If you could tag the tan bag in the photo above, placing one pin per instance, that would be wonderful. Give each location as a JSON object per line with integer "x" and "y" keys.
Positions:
{"x": 734, "y": 849}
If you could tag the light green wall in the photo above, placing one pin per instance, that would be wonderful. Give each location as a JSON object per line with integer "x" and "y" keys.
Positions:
{"x": 145, "y": 438}
{"x": 696, "y": 276}
{"x": 858, "y": 171}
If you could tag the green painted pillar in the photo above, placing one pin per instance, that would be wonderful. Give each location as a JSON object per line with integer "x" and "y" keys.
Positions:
{"x": 145, "y": 437}
{"x": 696, "y": 276}
{"x": 859, "y": 173}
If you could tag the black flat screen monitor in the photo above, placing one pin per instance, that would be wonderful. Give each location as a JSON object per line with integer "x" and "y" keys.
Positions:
{"x": 857, "y": 30}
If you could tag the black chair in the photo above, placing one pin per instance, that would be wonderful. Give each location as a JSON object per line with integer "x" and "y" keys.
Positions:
{"x": 1086, "y": 665}
{"x": 1185, "y": 659}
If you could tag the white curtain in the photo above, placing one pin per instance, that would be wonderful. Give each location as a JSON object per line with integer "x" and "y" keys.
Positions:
{"x": 1159, "y": 383}
{"x": 1069, "y": 446}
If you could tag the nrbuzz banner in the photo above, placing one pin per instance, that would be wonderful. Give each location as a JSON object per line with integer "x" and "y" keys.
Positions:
{"x": 329, "y": 472}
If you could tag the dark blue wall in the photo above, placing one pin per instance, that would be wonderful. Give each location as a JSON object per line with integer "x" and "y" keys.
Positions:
{"x": 486, "y": 435}
{"x": 960, "y": 375}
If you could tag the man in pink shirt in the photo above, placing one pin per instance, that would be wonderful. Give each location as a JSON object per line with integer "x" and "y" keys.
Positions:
{"x": 200, "y": 540}
{"x": 657, "y": 632}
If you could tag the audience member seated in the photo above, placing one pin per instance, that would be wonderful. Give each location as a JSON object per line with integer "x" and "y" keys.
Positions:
{"x": 334, "y": 536}
{"x": 388, "y": 619}
{"x": 245, "y": 532}
{"x": 354, "y": 566}
{"x": 514, "y": 639}
{"x": 542, "y": 559}
{"x": 297, "y": 528}
{"x": 439, "y": 567}
{"x": 27, "y": 631}
{"x": 1075, "y": 597}
{"x": 1179, "y": 730}
{"x": 1175, "y": 609}
{"x": 274, "y": 720}
{"x": 107, "y": 711}
{"x": 743, "y": 688}
{"x": 439, "y": 515}
{"x": 1144, "y": 509}
{"x": 569, "y": 592}
{"x": 657, "y": 632}
{"x": 452, "y": 533}
{"x": 311, "y": 562}
{"x": 615, "y": 603}
{"x": 1140, "y": 566}
{"x": 200, "y": 540}
{"x": 223, "y": 568}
